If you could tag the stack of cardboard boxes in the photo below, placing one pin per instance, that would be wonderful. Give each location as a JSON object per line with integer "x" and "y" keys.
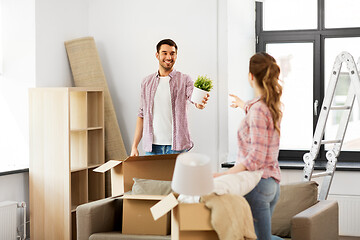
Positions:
{"x": 182, "y": 221}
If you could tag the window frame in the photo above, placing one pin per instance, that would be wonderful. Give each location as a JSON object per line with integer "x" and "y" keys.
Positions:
{"x": 317, "y": 37}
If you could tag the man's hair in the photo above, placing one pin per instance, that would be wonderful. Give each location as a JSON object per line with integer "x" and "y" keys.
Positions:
{"x": 167, "y": 42}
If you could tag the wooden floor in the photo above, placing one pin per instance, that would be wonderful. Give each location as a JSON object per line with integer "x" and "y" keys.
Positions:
{"x": 349, "y": 238}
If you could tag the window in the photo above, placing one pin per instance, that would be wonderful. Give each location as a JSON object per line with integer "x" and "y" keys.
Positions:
{"x": 17, "y": 70}
{"x": 342, "y": 14}
{"x": 305, "y": 36}
{"x": 297, "y": 92}
{"x": 295, "y": 10}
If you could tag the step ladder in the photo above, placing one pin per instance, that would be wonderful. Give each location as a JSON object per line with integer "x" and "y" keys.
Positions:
{"x": 333, "y": 153}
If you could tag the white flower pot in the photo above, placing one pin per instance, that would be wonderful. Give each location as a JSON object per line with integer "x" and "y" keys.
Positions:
{"x": 198, "y": 95}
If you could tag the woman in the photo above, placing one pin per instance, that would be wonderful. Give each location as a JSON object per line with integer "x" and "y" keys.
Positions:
{"x": 258, "y": 140}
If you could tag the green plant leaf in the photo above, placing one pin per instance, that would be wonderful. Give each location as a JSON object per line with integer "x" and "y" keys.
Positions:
{"x": 204, "y": 83}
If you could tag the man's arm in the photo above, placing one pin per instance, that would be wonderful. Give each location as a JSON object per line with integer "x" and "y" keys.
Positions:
{"x": 202, "y": 105}
{"x": 137, "y": 136}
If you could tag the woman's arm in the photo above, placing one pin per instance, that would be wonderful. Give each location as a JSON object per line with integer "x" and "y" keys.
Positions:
{"x": 235, "y": 169}
{"x": 236, "y": 102}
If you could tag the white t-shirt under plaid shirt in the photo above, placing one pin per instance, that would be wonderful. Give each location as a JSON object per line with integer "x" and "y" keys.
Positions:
{"x": 162, "y": 114}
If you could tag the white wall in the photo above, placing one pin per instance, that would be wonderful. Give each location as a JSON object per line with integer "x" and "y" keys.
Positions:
{"x": 223, "y": 61}
{"x": 18, "y": 74}
{"x": 126, "y": 34}
{"x": 33, "y": 35}
{"x": 241, "y": 48}
{"x": 57, "y": 22}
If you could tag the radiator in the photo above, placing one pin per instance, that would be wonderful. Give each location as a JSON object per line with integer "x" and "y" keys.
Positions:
{"x": 8, "y": 223}
{"x": 8, "y": 212}
{"x": 349, "y": 214}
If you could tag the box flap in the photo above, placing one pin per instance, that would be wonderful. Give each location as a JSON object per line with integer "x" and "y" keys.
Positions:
{"x": 117, "y": 180}
{"x": 117, "y": 196}
{"x": 107, "y": 166}
{"x": 143, "y": 197}
{"x": 164, "y": 206}
{"x": 151, "y": 157}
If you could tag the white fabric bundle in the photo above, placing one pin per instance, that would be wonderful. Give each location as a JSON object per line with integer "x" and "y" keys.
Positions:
{"x": 239, "y": 184}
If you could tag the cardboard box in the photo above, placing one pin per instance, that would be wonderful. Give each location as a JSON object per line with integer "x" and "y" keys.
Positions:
{"x": 188, "y": 220}
{"x": 157, "y": 167}
{"x": 137, "y": 218}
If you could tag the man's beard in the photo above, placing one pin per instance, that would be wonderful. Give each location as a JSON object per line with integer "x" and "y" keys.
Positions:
{"x": 166, "y": 66}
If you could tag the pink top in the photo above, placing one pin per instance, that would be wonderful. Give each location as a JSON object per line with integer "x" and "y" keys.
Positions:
{"x": 258, "y": 140}
{"x": 181, "y": 87}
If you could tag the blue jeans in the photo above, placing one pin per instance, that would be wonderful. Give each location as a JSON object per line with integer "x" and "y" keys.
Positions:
{"x": 162, "y": 149}
{"x": 262, "y": 200}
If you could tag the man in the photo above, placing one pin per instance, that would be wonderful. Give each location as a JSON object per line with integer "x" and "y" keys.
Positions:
{"x": 162, "y": 119}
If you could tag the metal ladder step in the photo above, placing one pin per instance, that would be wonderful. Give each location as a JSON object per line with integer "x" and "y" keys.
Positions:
{"x": 322, "y": 174}
{"x": 343, "y": 107}
{"x": 330, "y": 141}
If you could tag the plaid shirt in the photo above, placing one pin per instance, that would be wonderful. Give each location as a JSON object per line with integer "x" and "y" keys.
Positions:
{"x": 181, "y": 87}
{"x": 258, "y": 140}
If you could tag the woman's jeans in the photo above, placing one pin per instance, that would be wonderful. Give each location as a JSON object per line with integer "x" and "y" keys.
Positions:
{"x": 162, "y": 149}
{"x": 262, "y": 200}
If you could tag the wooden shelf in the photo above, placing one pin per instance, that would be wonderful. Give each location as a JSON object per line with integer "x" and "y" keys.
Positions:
{"x": 78, "y": 169}
{"x": 79, "y": 186}
{"x": 94, "y": 128}
{"x": 96, "y": 186}
{"x": 78, "y": 116}
{"x": 66, "y": 143}
{"x": 95, "y": 147}
{"x": 78, "y": 149}
{"x": 94, "y": 165}
{"x": 78, "y": 130}
{"x": 95, "y": 109}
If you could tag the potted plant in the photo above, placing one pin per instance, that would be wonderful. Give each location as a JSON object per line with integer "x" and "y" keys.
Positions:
{"x": 202, "y": 87}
